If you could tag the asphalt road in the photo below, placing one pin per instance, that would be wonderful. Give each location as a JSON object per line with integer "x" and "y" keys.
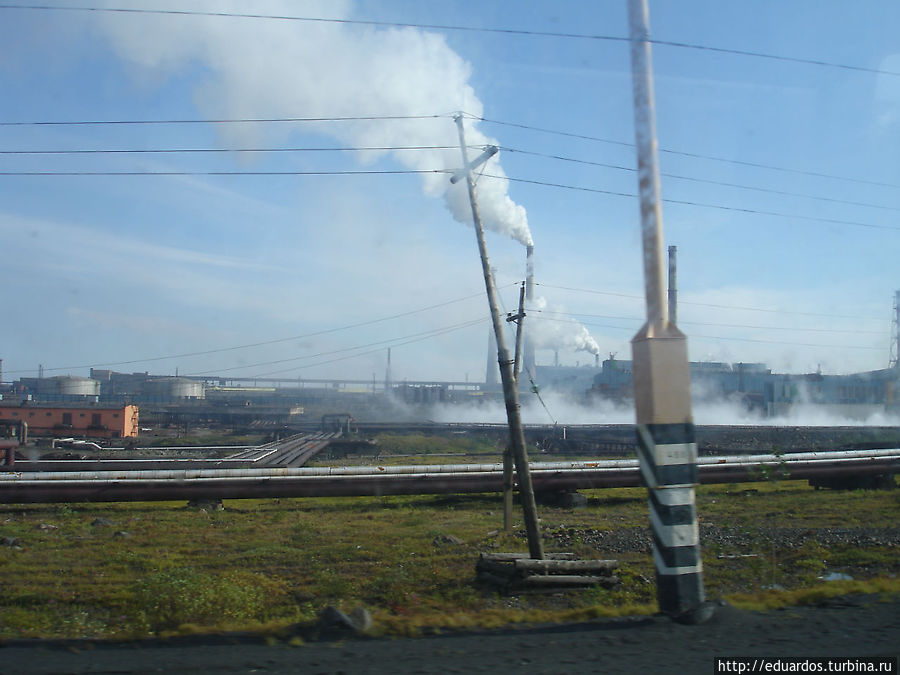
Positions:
{"x": 843, "y": 627}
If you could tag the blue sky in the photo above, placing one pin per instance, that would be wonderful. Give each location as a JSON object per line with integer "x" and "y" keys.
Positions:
{"x": 323, "y": 273}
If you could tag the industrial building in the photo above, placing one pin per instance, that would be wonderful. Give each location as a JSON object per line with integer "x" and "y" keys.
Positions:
{"x": 91, "y": 421}
{"x": 858, "y": 395}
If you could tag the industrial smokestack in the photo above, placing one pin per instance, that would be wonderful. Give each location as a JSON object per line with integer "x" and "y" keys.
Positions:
{"x": 895, "y": 334}
{"x": 673, "y": 285}
{"x": 529, "y": 303}
{"x": 388, "y": 384}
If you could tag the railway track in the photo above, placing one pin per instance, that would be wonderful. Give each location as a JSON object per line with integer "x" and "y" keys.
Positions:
{"x": 292, "y": 451}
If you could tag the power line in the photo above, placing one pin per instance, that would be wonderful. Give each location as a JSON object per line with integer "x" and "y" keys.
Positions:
{"x": 738, "y": 339}
{"x": 399, "y": 148}
{"x": 131, "y": 151}
{"x": 375, "y": 351}
{"x": 700, "y": 180}
{"x": 404, "y": 340}
{"x": 694, "y": 155}
{"x": 361, "y": 172}
{"x": 381, "y": 343}
{"x": 376, "y": 172}
{"x": 236, "y": 120}
{"x": 442, "y": 116}
{"x": 790, "y": 344}
{"x": 682, "y": 202}
{"x": 265, "y": 342}
{"x": 853, "y": 331}
{"x": 706, "y": 304}
{"x": 472, "y": 29}
{"x": 774, "y": 57}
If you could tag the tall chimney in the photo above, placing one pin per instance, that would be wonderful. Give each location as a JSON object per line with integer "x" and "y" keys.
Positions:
{"x": 388, "y": 384}
{"x": 895, "y": 334}
{"x": 673, "y": 285}
{"x": 529, "y": 303}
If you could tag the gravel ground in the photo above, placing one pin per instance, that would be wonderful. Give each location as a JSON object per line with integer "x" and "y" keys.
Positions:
{"x": 849, "y": 626}
{"x": 637, "y": 539}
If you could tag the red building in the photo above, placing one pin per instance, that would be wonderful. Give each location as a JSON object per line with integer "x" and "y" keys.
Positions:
{"x": 96, "y": 421}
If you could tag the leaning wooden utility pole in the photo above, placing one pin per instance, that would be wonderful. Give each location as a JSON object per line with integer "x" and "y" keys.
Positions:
{"x": 667, "y": 447}
{"x": 508, "y": 482}
{"x": 507, "y": 376}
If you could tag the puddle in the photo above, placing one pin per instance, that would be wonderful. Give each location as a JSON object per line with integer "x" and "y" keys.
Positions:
{"x": 836, "y": 576}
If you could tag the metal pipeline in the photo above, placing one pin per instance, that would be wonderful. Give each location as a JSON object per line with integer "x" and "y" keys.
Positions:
{"x": 61, "y": 486}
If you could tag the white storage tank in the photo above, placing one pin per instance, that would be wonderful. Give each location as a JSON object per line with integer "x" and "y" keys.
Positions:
{"x": 67, "y": 385}
{"x": 167, "y": 388}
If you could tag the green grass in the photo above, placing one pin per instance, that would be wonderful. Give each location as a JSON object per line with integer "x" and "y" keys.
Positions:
{"x": 267, "y": 564}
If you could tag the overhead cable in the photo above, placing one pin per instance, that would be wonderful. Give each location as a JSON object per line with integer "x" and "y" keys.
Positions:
{"x": 424, "y": 336}
{"x": 529, "y": 127}
{"x": 853, "y": 331}
{"x": 350, "y": 172}
{"x": 380, "y": 343}
{"x": 737, "y": 339}
{"x": 683, "y": 202}
{"x": 694, "y": 179}
{"x": 463, "y": 28}
{"x": 707, "y": 304}
{"x": 220, "y": 350}
{"x": 237, "y": 120}
{"x": 135, "y": 151}
{"x": 694, "y": 155}
{"x": 399, "y": 148}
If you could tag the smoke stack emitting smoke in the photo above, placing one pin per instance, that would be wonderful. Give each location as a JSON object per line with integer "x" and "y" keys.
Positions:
{"x": 266, "y": 69}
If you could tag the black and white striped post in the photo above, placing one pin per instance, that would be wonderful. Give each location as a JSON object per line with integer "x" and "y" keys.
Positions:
{"x": 666, "y": 445}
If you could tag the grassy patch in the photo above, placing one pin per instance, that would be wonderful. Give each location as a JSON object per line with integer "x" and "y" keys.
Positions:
{"x": 137, "y": 569}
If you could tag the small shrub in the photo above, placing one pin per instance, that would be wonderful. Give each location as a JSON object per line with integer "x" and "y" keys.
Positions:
{"x": 178, "y": 596}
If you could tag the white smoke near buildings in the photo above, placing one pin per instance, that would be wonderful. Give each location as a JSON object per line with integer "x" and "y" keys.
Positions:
{"x": 255, "y": 68}
{"x": 564, "y": 408}
{"x": 551, "y": 327}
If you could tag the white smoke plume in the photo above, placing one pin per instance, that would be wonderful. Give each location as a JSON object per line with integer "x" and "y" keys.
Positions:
{"x": 575, "y": 409}
{"x": 253, "y": 68}
{"x": 550, "y": 327}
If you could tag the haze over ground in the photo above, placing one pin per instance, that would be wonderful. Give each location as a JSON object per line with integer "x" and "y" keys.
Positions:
{"x": 787, "y": 240}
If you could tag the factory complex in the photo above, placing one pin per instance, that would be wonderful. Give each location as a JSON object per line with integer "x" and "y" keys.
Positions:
{"x": 106, "y": 404}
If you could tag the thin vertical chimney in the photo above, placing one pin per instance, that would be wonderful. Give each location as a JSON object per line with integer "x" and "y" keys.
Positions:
{"x": 388, "y": 384}
{"x": 673, "y": 285}
{"x": 529, "y": 303}
{"x": 895, "y": 334}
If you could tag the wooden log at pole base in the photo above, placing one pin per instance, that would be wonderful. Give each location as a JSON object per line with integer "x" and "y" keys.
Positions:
{"x": 562, "y": 566}
{"x": 509, "y": 557}
{"x": 556, "y": 572}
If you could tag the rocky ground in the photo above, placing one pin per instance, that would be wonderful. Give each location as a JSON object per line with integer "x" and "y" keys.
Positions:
{"x": 637, "y": 539}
